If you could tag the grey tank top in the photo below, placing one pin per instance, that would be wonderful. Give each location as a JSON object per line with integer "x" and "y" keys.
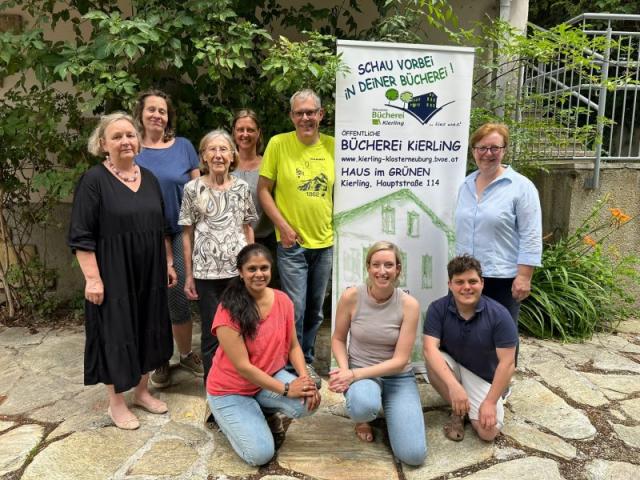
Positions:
{"x": 375, "y": 328}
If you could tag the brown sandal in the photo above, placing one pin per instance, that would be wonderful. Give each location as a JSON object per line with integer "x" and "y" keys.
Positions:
{"x": 364, "y": 432}
{"x": 454, "y": 428}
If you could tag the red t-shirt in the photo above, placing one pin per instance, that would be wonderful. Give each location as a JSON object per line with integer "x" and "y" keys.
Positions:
{"x": 268, "y": 350}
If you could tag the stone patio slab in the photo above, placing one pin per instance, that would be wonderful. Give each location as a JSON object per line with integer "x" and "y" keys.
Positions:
{"x": 631, "y": 325}
{"x": 617, "y": 343}
{"x": 19, "y": 337}
{"x": 10, "y": 374}
{"x": 629, "y": 435}
{"x": 631, "y": 408}
{"x": 531, "y": 468}
{"x": 533, "y": 352}
{"x": 64, "y": 357}
{"x": 92, "y": 455}
{"x": 191, "y": 435}
{"x": 29, "y": 395}
{"x": 605, "y": 470}
{"x": 583, "y": 353}
{"x": 445, "y": 456}
{"x": 530, "y": 437}
{"x": 537, "y": 404}
{"x": 278, "y": 477}
{"x": 16, "y": 445}
{"x": 324, "y": 446}
{"x": 185, "y": 408}
{"x": 575, "y": 386}
{"x": 170, "y": 458}
{"x": 610, "y": 362}
{"x": 615, "y": 387}
{"x": 5, "y": 425}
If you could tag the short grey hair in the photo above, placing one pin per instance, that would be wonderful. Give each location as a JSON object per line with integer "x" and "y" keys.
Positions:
{"x": 219, "y": 132}
{"x": 93, "y": 145}
{"x": 302, "y": 95}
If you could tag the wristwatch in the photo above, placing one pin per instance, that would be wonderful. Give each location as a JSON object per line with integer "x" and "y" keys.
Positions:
{"x": 286, "y": 389}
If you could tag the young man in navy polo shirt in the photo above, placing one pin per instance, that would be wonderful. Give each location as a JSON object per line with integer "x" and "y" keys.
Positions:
{"x": 469, "y": 347}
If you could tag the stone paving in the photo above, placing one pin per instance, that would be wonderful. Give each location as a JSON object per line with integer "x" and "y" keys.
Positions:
{"x": 574, "y": 414}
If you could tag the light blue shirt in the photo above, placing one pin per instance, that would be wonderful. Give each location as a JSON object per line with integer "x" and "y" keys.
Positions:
{"x": 503, "y": 229}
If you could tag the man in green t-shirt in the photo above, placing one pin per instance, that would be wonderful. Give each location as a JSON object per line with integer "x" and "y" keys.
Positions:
{"x": 298, "y": 168}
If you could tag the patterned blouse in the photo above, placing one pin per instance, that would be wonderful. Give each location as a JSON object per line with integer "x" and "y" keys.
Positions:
{"x": 218, "y": 217}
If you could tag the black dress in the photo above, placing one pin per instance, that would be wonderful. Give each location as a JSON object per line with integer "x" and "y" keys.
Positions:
{"x": 130, "y": 333}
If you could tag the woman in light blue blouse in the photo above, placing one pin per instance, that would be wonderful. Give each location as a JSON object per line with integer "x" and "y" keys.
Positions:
{"x": 499, "y": 220}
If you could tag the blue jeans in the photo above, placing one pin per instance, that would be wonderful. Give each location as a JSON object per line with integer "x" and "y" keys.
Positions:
{"x": 398, "y": 395}
{"x": 304, "y": 275}
{"x": 242, "y": 420}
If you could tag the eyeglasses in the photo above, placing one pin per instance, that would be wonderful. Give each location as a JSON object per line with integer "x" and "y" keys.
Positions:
{"x": 492, "y": 149}
{"x": 308, "y": 113}
{"x": 222, "y": 150}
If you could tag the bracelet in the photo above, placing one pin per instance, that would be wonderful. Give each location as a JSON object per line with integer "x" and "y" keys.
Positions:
{"x": 286, "y": 389}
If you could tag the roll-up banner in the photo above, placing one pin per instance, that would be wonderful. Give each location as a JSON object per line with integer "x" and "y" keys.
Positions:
{"x": 402, "y": 127}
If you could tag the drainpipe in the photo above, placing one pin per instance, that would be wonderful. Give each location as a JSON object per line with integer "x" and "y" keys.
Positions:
{"x": 505, "y": 13}
{"x": 505, "y": 10}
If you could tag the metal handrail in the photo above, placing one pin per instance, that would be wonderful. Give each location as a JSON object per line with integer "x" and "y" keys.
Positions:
{"x": 605, "y": 16}
{"x": 557, "y": 90}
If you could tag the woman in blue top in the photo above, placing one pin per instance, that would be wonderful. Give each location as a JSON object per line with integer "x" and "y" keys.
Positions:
{"x": 499, "y": 220}
{"x": 174, "y": 162}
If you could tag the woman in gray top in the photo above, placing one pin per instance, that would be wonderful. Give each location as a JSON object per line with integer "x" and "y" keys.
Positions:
{"x": 374, "y": 371}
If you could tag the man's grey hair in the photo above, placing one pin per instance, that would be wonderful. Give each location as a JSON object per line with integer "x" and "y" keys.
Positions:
{"x": 302, "y": 95}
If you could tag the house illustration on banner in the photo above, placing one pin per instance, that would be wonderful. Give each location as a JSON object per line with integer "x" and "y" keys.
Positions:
{"x": 426, "y": 244}
{"x": 422, "y": 107}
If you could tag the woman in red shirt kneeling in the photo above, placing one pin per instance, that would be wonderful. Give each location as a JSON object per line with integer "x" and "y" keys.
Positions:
{"x": 255, "y": 327}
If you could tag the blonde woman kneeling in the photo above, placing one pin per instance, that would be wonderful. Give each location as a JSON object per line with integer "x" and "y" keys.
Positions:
{"x": 375, "y": 371}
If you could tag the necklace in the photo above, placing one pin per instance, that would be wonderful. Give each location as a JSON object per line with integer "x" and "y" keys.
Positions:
{"x": 379, "y": 300}
{"x": 120, "y": 175}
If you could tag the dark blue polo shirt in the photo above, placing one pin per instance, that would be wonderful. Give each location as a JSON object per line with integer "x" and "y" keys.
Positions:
{"x": 472, "y": 343}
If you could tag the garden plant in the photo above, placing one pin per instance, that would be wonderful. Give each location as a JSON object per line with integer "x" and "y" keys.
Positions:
{"x": 583, "y": 284}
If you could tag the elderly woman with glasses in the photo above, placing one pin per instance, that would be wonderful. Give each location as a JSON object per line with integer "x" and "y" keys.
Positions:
{"x": 499, "y": 221}
{"x": 216, "y": 216}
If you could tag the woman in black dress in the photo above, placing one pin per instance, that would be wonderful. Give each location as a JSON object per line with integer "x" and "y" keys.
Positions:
{"x": 117, "y": 233}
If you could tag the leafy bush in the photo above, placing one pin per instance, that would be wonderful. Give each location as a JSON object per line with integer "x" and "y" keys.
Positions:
{"x": 582, "y": 286}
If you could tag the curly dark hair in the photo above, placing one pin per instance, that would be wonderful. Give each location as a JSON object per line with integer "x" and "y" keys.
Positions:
{"x": 463, "y": 263}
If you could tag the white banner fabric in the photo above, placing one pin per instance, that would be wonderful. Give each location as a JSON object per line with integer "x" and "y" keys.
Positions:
{"x": 402, "y": 126}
